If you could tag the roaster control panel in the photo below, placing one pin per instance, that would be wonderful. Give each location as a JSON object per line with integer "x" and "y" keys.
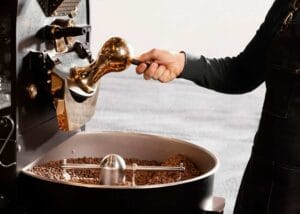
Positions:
{"x": 35, "y": 37}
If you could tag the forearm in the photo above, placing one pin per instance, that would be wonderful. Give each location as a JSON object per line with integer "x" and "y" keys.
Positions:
{"x": 226, "y": 75}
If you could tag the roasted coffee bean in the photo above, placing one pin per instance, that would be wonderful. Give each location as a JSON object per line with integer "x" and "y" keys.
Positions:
{"x": 53, "y": 170}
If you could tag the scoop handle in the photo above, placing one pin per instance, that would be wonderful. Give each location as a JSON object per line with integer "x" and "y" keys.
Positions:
{"x": 138, "y": 62}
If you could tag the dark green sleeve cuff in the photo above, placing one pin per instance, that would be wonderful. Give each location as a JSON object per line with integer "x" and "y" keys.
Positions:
{"x": 192, "y": 67}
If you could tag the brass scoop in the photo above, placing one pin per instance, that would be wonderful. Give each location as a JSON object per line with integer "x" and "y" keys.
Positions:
{"x": 114, "y": 56}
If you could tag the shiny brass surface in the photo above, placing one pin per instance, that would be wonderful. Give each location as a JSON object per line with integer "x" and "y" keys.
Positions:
{"x": 57, "y": 83}
{"x": 71, "y": 114}
{"x": 32, "y": 91}
{"x": 75, "y": 91}
{"x": 114, "y": 56}
{"x": 62, "y": 44}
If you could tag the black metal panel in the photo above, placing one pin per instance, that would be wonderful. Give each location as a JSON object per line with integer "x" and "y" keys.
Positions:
{"x": 37, "y": 123}
{"x": 7, "y": 114}
{"x": 34, "y": 124}
{"x": 58, "y": 198}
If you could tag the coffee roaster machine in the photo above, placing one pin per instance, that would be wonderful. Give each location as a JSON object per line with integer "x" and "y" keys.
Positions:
{"x": 49, "y": 86}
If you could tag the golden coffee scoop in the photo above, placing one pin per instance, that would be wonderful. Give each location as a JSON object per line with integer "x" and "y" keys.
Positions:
{"x": 114, "y": 56}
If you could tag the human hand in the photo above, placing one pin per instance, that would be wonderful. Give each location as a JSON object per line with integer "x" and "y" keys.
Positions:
{"x": 161, "y": 65}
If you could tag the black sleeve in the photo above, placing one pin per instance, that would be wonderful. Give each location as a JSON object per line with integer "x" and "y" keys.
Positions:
{"x": 242, "y": 73}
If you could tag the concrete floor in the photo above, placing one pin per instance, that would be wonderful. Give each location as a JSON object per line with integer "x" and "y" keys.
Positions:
{"x": 224, "y": 124}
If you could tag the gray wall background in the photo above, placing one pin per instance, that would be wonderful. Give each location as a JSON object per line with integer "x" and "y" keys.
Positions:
{"x": 225, "y": 124}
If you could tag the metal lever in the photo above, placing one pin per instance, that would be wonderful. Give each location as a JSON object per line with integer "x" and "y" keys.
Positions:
{"x": 51, "y": 32}
{"x": 128, "y": 167}
{"x": 113, "y": 168}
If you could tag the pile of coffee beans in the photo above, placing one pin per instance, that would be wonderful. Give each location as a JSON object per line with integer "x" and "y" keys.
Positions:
{"x": 53, "y": 170}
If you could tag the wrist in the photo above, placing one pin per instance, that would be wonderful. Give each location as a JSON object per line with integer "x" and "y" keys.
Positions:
{"x": 182, "y": 61}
